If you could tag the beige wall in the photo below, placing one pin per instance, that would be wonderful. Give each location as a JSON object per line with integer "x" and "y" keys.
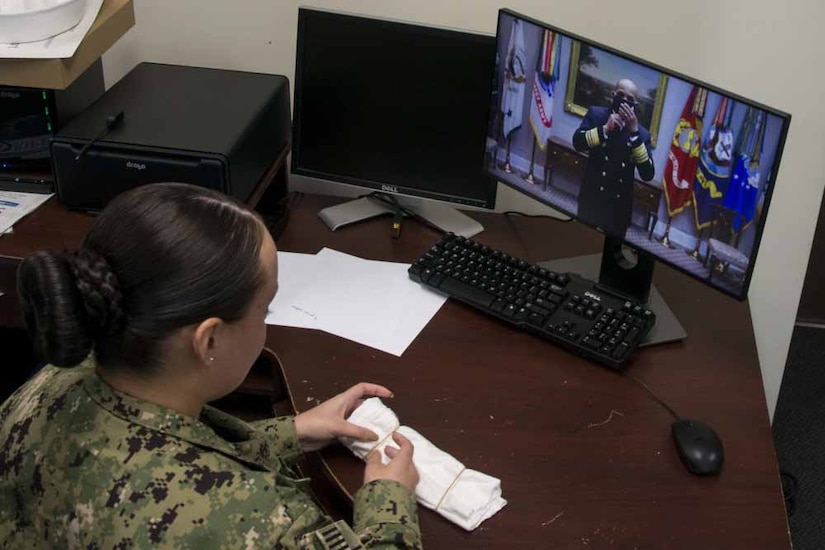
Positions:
{"x": 763, "y": 49}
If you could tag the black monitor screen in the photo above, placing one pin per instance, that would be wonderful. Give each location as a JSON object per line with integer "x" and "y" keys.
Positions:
{"x": 392, "y": 106}
{"x": 25, "y": 129}
{"x": 673, "y": 166}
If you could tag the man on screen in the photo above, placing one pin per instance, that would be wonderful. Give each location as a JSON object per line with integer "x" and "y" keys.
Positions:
{"x": 617, "y": 145}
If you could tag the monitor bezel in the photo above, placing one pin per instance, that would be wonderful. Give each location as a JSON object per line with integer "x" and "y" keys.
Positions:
{"x": 487, "y": 199}
{"x": 770, "y": 181}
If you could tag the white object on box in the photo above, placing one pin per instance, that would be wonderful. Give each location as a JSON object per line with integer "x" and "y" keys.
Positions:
{"x": 24, "y": 21}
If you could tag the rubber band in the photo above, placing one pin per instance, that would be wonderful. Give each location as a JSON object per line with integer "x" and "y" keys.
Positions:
{"x": 382, "y": 441}
{"x": 450, "y": 487}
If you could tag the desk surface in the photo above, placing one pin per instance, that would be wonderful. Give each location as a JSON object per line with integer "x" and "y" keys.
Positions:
{"x": 585, "y": 456}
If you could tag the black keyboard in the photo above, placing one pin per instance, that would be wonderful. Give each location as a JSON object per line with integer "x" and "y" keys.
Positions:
{"x": 563, "y": 308}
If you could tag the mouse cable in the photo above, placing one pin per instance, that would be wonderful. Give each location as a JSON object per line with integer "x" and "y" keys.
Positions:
{"x": 653, "y": 395}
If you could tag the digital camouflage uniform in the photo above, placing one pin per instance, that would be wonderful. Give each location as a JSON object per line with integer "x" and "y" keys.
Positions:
{"x": 85, "y": 466}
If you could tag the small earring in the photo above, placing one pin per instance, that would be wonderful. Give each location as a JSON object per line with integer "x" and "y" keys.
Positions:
{"x": 211, "y": 359}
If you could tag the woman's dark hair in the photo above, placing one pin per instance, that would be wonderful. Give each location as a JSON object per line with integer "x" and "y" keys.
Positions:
{"x": 158, "y": 258}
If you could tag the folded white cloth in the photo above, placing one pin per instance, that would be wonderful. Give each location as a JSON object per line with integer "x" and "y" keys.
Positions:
{"x": 465, "y": 497}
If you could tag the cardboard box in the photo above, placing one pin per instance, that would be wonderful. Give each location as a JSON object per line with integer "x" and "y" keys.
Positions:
{"x": 115, "y": 18}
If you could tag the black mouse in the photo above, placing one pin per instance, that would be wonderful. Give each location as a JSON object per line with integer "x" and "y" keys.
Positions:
{"x": 698, "y": 446}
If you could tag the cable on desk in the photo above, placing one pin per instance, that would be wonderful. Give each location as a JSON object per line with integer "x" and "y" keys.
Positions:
{"x": 391, "y": 201}
{"x": 509, "y": 213}
{"x": 653, "y": 395}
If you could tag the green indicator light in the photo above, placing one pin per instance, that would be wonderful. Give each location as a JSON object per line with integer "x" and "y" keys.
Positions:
{"x": 47, "y": 111}
{"x": 44, "y": 95}
{"x": 49, "y": 126}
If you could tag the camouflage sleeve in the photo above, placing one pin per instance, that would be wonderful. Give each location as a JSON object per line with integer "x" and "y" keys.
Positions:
{"x": 284, "y": 440}
{"x": 386, "y": 516}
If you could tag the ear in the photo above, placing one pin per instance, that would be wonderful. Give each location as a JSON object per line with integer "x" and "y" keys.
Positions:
{"x": 203, "y": 340}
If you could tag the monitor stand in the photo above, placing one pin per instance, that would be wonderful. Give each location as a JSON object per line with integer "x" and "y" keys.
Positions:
{"x": 618, "y": 274}
{"x": 444, "y": 217}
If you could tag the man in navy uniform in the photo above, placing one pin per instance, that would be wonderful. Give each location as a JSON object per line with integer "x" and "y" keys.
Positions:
{"x": 617, "y": 145}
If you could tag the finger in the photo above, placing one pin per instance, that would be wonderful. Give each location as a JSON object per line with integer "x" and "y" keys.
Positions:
{"x": 355, "y": 396}
{"x": 354, "y": 431}
{"x": 390, "y": 451}
{"x": 404, "y": 444}
{"x": 367, "y": 389}
{"x": 373, "y": 458}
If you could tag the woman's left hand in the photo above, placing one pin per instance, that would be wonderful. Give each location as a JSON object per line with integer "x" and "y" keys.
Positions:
{"x": 321, "y": 425}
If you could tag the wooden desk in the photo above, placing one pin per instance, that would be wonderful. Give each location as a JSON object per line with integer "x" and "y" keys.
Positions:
{"x": 585, "y": 456}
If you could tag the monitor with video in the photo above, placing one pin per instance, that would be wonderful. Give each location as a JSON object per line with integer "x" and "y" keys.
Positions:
{"x": 677, "y": 170}
{"x": 393, "y": 107}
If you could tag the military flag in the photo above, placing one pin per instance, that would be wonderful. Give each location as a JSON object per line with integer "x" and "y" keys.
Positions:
{"x": 544, "y": 88}
{"x": 683, "y": 156}
{"x": 515, "y": 64}
{"x": 715, "y": 159}
{"x": 743, "y": 191}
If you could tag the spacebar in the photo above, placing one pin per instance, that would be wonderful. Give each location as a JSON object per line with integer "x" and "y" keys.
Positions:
{"x": 463, "y": 291}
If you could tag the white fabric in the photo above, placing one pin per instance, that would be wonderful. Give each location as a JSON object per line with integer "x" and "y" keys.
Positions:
{"x": 465, "y": 497}
{"x": 512, "y": 95}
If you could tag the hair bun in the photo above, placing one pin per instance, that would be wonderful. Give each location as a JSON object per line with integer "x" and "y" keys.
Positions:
{"x": 100, "y": 291}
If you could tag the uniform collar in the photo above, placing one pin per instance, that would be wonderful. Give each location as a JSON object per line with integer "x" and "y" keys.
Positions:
{"x": 215, "y": 430}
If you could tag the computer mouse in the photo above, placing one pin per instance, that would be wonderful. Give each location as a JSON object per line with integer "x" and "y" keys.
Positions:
{"x": 698, "y": 446}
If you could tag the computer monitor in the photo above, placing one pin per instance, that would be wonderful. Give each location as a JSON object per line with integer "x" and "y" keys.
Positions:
{"x": 25, "y": 128}
{"x": 672, "y": 168}
{"x": 396, "y": 108}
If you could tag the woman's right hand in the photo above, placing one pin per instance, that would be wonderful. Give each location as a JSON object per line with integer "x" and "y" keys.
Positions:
{"x": 400, "y": 467}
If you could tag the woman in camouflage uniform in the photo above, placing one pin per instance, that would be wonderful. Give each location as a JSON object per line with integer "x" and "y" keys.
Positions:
{"x": 169, "y": 292}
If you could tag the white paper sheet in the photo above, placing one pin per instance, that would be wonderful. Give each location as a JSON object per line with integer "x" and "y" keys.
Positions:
{"x": 60, "y": 46}
{"x": 370, "y": 302}
{"x": 295, "y": 280}
{"x": 14, "y": 205}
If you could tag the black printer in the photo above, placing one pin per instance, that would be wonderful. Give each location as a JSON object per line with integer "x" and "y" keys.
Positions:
{"x": 168, "y": 123}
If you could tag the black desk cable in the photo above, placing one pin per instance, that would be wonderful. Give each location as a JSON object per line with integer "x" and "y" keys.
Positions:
{"x": 654, "y": 396}
{"x": 112, "y": 122}
{"x": 400, "y": 212}
{"x": 510, "y": 213}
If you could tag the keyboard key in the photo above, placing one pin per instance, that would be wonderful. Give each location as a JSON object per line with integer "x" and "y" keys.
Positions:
{"x": 537, "y": 309}
{"x": 536, "y": 320}
{"x": 621, "y": 350}
{"x": 465, "y": 292}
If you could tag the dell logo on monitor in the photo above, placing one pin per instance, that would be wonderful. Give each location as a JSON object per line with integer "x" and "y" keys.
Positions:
{"x": 389, "y": 188}
{"x": 135, "y": 166}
